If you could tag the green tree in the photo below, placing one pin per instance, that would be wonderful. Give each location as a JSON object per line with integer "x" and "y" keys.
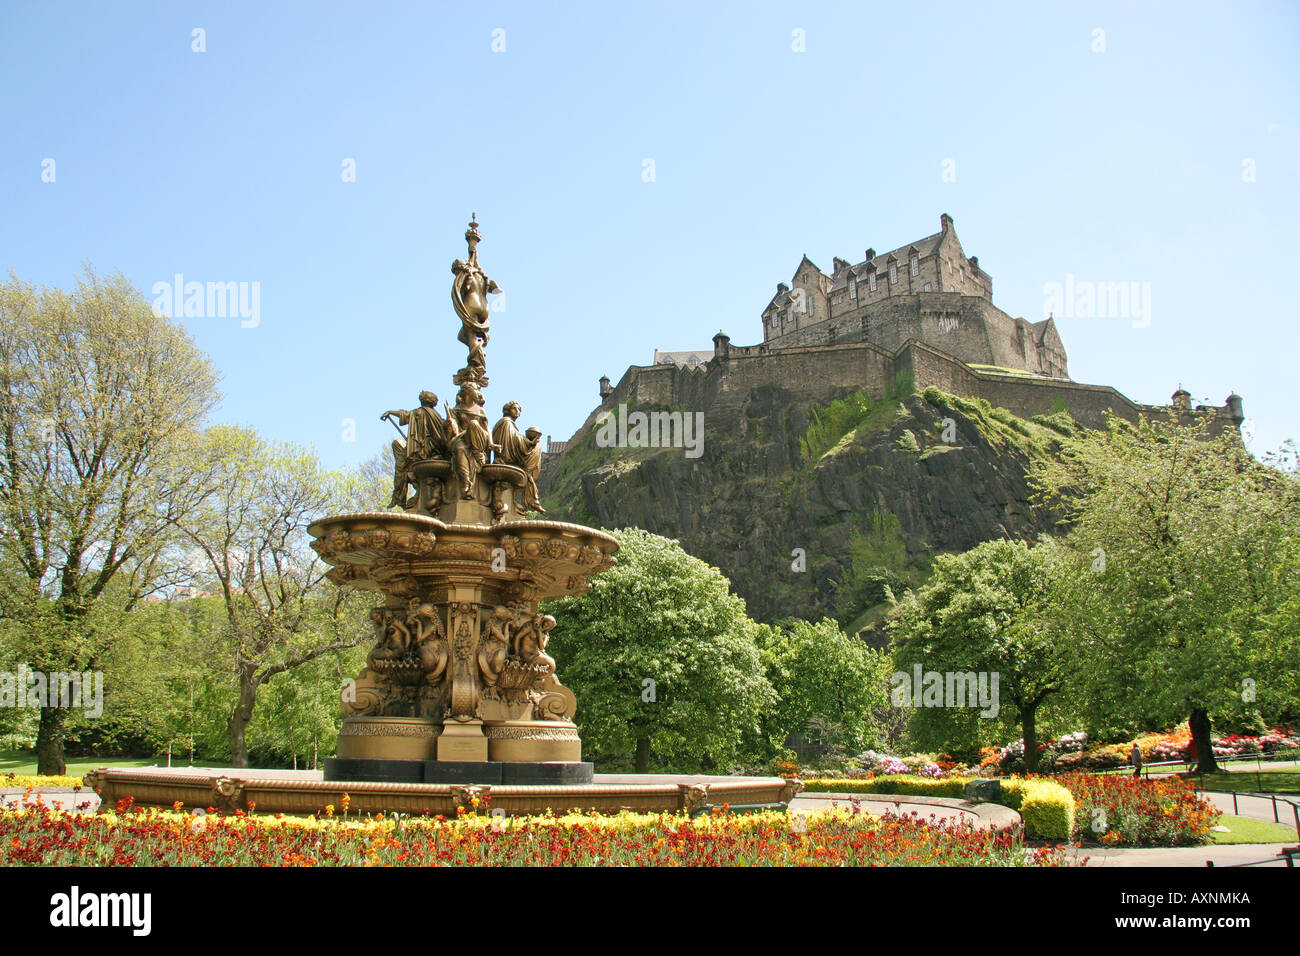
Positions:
{"x": 987, "y": 612}
{"x": 251, "y": 537}
{"x": 1189, "y": 540}
{"x": 662, "y": 658}
{"x": 820, "y": 674}
{"x": 100, "y": 403}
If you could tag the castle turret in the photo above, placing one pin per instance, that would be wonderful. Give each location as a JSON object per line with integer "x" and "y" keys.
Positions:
{"x": 606, "y": 389}
{"x": 1182, "y": 400}
{"x": 721, "y": 346}
{"x": 1233, "y": 405}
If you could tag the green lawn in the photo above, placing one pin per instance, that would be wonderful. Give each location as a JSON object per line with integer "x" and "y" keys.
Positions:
{"x": 1247, "y": 830}
{"x": 1269, "y": 780}
{"x": 24, "y": 762}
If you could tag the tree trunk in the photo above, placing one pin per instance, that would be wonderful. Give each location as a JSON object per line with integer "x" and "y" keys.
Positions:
{"x": 237, "y": 722}
{"x": 1029, "y": 724}
{"x": 643, "y": 755}
{"x": 49, "y": 742}
{"x": 1199, "y": 724}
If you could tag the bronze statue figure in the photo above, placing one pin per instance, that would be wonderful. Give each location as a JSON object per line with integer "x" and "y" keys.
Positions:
{"x": 427, "y": 437}
{"x": 430, "y": 640}
{"x": 469, "y": 291}
{"x": 493, "y": 648}
{"x": 522, "y": 451}
{"x": 470, "y": 441}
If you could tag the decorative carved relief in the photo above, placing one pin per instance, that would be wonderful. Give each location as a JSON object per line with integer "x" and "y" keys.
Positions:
{"x": 464, "y": 796}
{"x": 695, "y": 796}
{"x": 227, "y": 793}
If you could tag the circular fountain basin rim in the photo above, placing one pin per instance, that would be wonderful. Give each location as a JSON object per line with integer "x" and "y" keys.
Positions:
{"x": 435, "y": 524}
{"x": 304, "y": 792}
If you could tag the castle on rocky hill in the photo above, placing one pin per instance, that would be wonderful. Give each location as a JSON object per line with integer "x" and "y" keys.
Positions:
{"x": 922, "y": 313}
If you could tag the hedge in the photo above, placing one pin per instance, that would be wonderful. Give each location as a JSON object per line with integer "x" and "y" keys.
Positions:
{"x": 895, "y": 784}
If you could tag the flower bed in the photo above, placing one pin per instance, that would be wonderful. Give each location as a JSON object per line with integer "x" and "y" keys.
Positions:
{"x": 1123, "y": 811}
{"x": 1113, "y": 810}
{"x": 1071, "y": 753}
{"x": 130, "y": 837}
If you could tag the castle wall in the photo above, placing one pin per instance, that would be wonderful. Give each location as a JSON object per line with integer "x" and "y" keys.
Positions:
{"x": 820, "y": 371}
{"x": 809, "y": 371}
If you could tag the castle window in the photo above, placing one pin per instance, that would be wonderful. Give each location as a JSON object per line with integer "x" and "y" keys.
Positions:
{"x": 853, "y": 288}
{"x": 812, "y": 308}
{"x": 893, "y": 273}
{"x": 916, "y": 266}
{"x": 927, "y": 287}
{"x": 873, "y": 282}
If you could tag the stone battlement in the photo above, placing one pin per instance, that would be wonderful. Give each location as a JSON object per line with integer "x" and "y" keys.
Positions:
{"x": 818, "y": 372}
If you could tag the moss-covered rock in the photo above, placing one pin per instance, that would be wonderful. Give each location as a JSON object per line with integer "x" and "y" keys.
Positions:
{"x": 824, "y": 509}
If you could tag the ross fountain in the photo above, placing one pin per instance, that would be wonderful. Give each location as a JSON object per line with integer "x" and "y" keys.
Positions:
{"x": 459, "y": 687}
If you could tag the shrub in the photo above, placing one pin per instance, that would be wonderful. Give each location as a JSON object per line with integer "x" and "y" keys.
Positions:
{"x": 1047, "y": 808}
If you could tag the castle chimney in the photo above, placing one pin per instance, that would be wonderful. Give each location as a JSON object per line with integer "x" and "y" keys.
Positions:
{"x": 721, "y": 346}
{"x": 605, "y": 389}
{"x": 945, "y": 222}
{"x": 974, "y": 262}
{"x": 871, "y": 254}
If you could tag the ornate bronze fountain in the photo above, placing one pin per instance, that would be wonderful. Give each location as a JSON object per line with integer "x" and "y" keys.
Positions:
{"x": 459, "y": 686}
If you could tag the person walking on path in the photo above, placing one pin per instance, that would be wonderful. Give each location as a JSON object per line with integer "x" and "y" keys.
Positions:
{"x": 1135, "y": 758}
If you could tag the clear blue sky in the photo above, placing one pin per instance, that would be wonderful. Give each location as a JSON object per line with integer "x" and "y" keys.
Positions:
{"x": 1123, "y": 165}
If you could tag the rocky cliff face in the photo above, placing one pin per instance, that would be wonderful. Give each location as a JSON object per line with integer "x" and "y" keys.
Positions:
{"x": 814, "y": 508}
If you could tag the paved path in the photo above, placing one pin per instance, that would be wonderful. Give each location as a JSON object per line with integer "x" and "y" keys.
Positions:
{"x": 1244, "y": 766}
{"x": 1194, "y": 856}
{"x": 981, "y": 815}
{"x": 65, "y": 798}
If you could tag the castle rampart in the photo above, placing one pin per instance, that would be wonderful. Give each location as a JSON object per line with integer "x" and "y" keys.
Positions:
{"x": 818, "y": 372}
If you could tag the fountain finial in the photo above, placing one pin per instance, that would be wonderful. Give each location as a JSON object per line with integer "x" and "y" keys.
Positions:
{"x": 473, "y": 238}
